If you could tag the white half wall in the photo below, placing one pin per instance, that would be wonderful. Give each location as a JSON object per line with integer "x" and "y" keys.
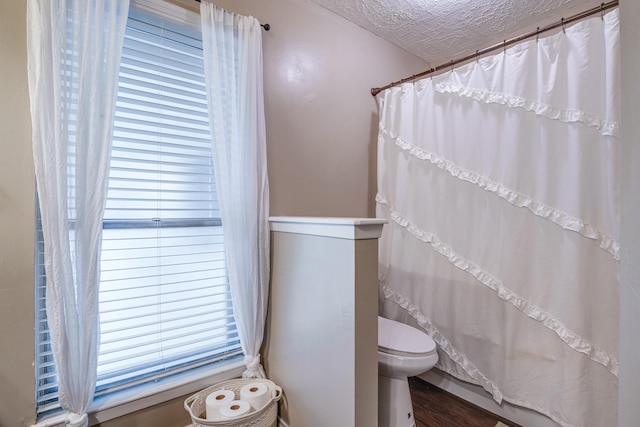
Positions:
{"x": 322, "y": 339}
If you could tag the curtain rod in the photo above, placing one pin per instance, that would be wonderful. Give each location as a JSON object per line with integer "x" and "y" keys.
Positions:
{"x": 266, "y": 27}
{"x": 562, "y": 23}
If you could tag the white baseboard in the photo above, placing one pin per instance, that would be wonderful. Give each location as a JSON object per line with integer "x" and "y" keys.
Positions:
{"x": 479, "y": 397}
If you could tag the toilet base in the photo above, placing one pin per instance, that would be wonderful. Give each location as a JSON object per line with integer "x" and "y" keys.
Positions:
{"x": 394, "y": 403}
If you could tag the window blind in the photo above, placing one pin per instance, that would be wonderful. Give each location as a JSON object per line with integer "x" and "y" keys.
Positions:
{"x": 165, "y": 303}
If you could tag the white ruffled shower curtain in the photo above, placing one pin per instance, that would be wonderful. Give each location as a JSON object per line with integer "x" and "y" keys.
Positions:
{"x": 233, "y": 73}
{"x": 74, "y": 50}
{"x": 500, "y": 180}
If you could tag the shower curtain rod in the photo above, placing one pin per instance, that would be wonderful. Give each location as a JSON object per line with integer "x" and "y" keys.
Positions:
{"x": 562, "y": 23}
{"x": 266, "y": 27}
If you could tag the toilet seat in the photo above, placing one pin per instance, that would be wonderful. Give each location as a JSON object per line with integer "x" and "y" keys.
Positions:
{"x": 403, "y": 340}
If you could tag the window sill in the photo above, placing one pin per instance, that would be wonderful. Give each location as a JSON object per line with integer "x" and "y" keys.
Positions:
{"x": 125, "y": 402}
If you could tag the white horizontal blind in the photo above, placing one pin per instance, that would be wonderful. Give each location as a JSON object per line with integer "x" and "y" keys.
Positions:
{"x": 165, "y": 304}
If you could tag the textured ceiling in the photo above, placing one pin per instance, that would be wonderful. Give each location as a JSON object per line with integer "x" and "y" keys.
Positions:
{"x": 441, "y": 30}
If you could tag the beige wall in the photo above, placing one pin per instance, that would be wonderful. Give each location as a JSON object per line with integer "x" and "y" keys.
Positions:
{"x": 321, "y": 118}
{"x": 17, "y": 193}
{"x": 629, "y": 385}
{"x": 321, "y": 125}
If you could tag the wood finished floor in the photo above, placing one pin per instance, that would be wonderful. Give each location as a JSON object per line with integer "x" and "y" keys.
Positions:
{"x": 433, "y": 407}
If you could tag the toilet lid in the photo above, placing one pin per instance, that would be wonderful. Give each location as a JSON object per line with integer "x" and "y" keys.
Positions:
{"x": 399, "y": 338}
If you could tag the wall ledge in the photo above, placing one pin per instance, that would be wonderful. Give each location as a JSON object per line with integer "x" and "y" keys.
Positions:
{"x": 338, "y": 227}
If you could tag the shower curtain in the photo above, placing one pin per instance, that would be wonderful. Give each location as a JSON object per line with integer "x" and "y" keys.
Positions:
{"x": 500, "y": 180}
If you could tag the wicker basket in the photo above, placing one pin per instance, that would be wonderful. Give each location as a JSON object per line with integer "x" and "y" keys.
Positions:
{"x": 266, "y": 416}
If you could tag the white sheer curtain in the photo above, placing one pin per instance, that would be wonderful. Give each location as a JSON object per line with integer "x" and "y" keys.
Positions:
{"x": 74, "y": 50}
{"x": 233, "y": 73}
{"x": 501, "y": 183}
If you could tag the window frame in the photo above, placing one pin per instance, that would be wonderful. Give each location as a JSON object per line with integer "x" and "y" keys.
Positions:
{"x": 118, "y": 403}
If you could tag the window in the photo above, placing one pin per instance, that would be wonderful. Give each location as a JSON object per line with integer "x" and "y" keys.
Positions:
{"x": 165, "y": 303}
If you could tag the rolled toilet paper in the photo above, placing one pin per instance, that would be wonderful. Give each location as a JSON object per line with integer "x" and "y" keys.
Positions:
{"x": 215, "y": 400}
{"x": 234, "y": 409}
{"x": 257, "y": 394}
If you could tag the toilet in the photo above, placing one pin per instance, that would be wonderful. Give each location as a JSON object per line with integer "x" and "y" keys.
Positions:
{"x": 403, "y": 351}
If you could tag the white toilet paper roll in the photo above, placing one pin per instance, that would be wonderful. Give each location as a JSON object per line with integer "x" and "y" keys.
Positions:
{"x": 257, "y": 394}
{"x": 234, "y": 409}
{"x": 215, "y": 400}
